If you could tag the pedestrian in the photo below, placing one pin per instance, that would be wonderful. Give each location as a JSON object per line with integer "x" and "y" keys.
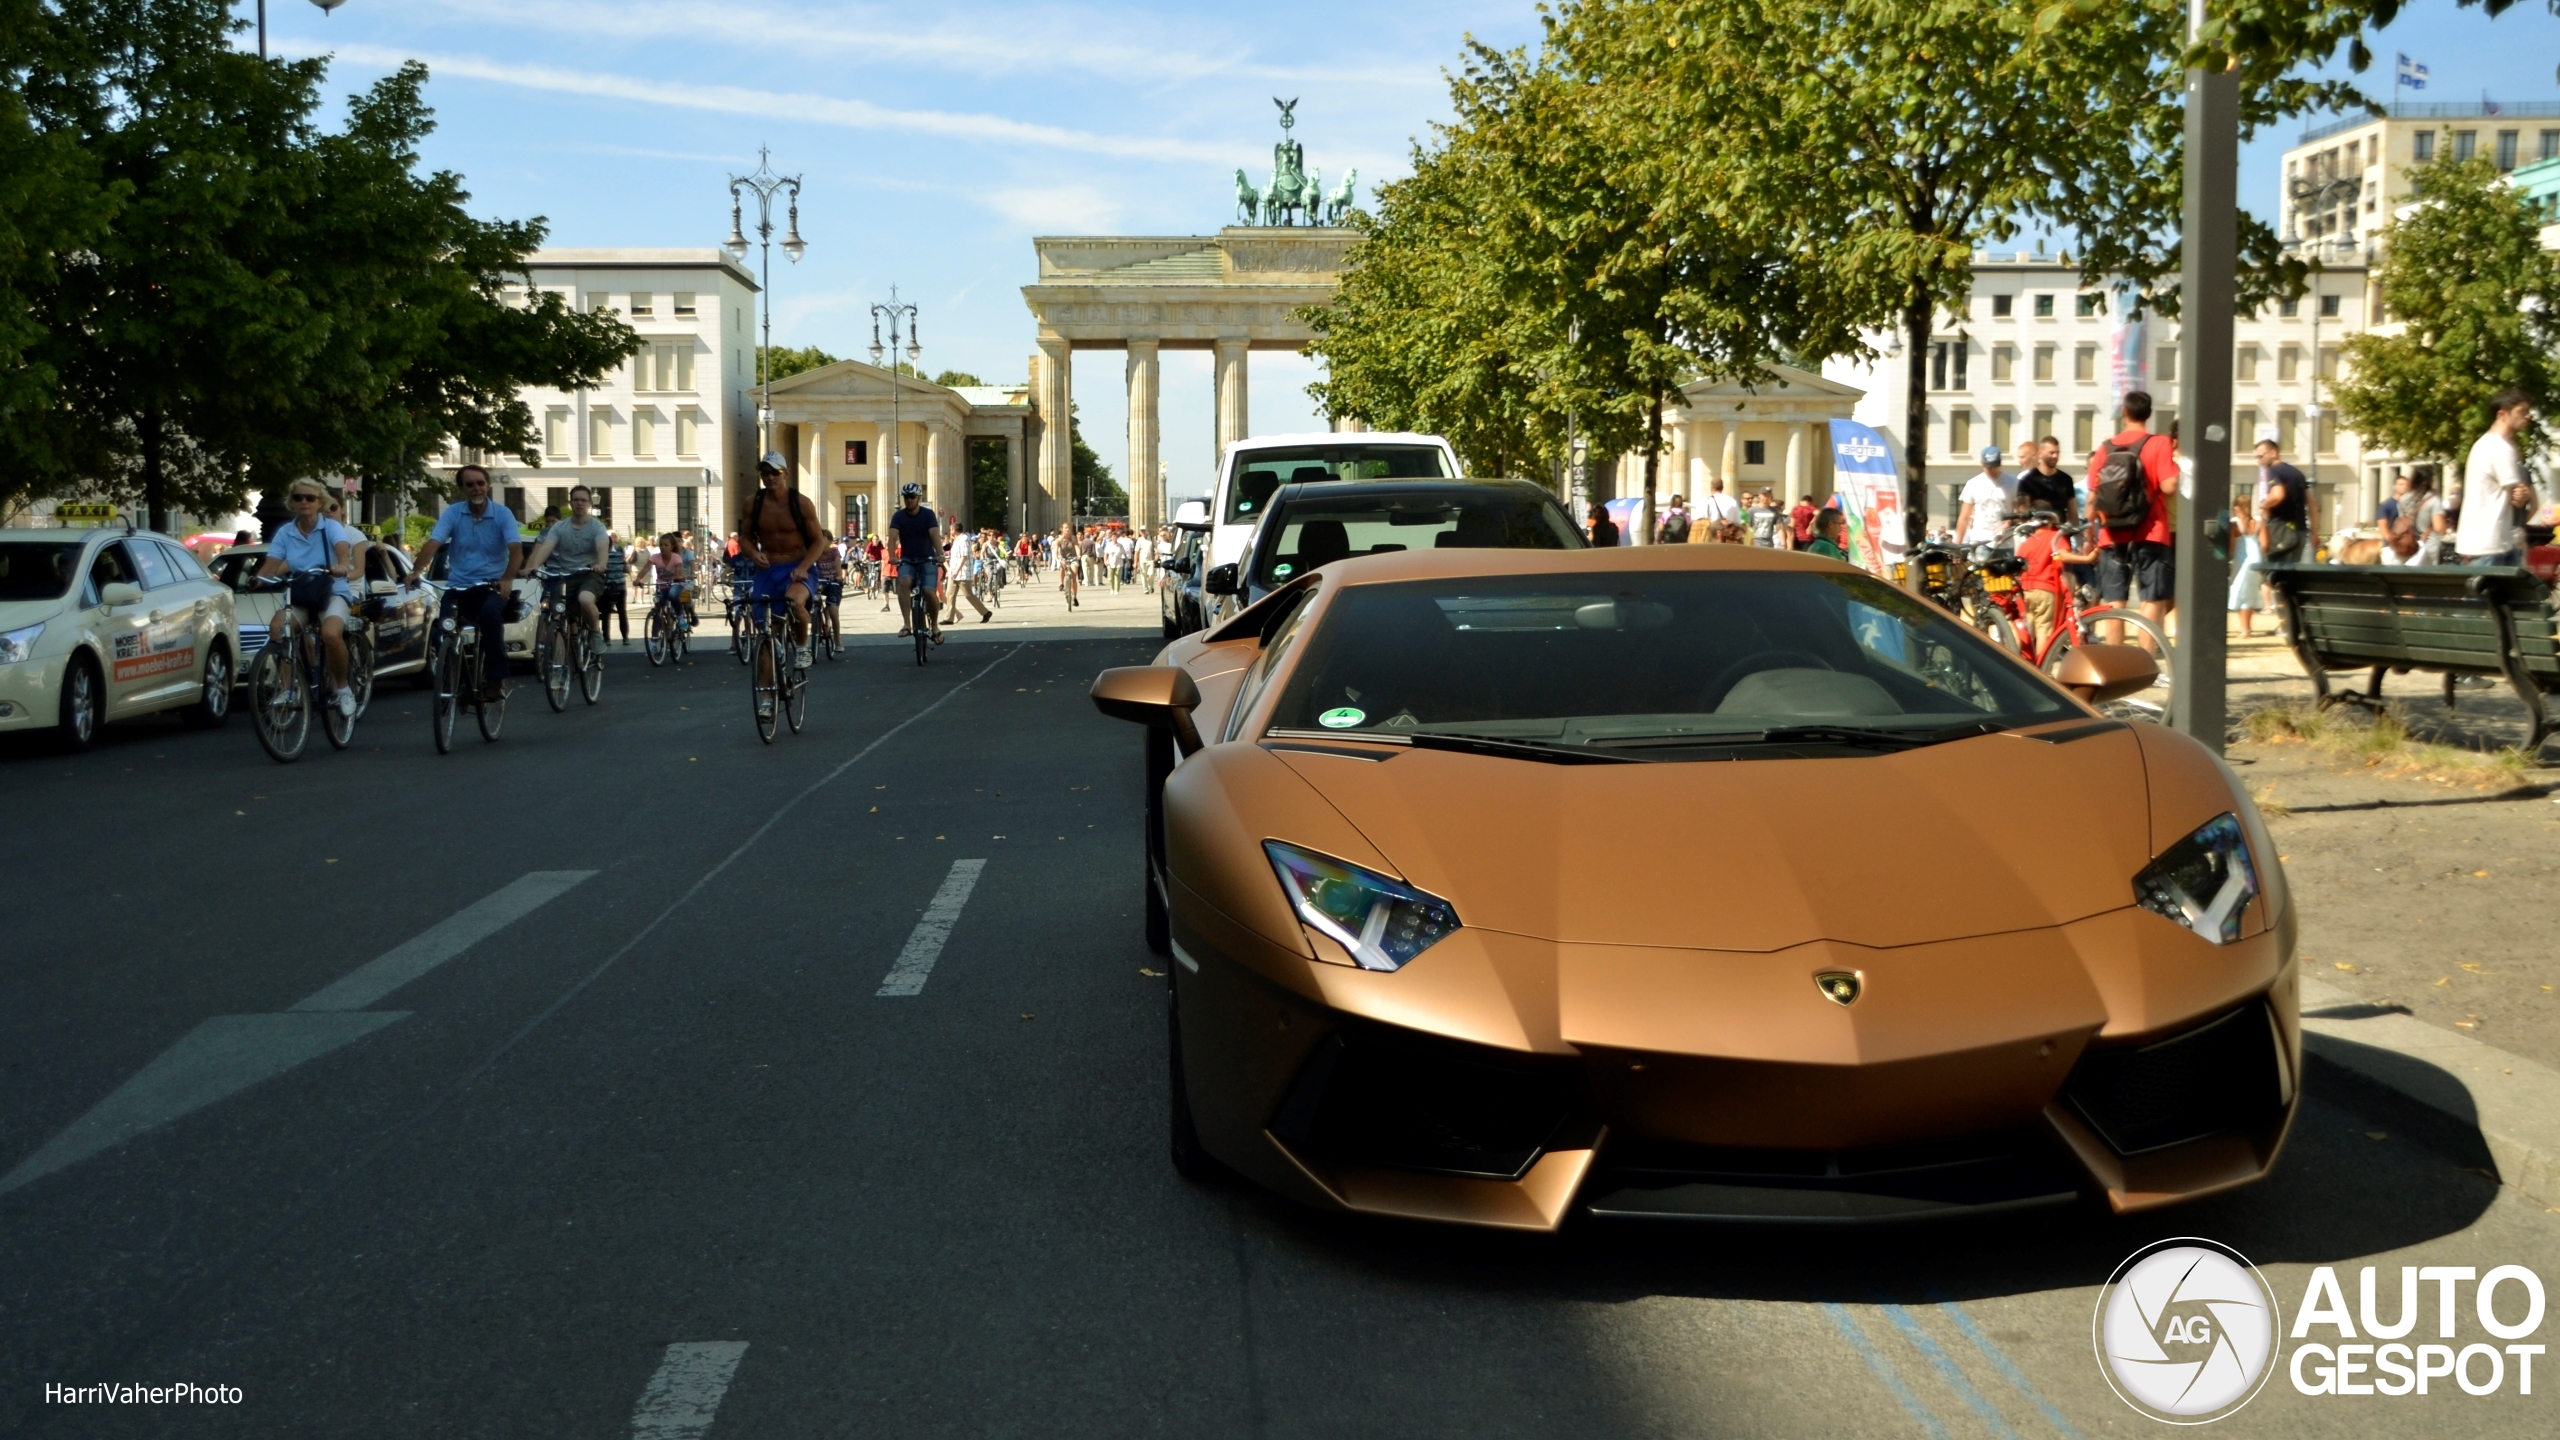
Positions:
{"x": 1800, "y": 519}
{"x": 2045, "y": 485}
{"x": 1982, "y": 507}
{"x": 1830, "y": 529}
{"x": 2135, "y": 472}
{"x": 2496, "y": 499}
{"x": 1604, "y": 531}
{"x": 2284, "y": 506}
{"x": 615, "y": 601}
{"x": 2246, "y": 556}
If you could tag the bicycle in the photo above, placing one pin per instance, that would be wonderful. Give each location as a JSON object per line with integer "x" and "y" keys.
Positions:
{"x": 669, "y": 633}
{"x": 826, "y": 634}
{"x": 288, "y": 678}
{"x": 2075, "y": 625}
{"x": 920, "y": 607}
{"x": 564, "y": 645}
{"x": 457, "y": 670}
{"x": 776, "y": 684}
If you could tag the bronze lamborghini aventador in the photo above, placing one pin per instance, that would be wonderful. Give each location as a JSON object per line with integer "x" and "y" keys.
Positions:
{"x": 1694, "y": 881}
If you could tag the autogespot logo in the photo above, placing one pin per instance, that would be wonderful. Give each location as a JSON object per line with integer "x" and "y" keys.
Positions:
{"x": 2186, "y": 1330}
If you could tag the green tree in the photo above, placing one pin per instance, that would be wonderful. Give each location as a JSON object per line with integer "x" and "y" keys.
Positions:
{"x": 990, "y": 488}
{"x": 2477, "y": 301}
{"x": 1090, "y": 481}
{"x": 953, "y": 378}
{"x": 787, "y": 362}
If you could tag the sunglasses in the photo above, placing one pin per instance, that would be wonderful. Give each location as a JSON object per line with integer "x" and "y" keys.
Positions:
{"x": 300, "y": 499}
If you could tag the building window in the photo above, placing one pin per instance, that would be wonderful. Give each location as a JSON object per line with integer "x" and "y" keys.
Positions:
{"x": 683, "y": 353}
{"x": 2164, "y": 365}
{"x": 2550, "y": 146}
{"x": 2003, "y": 430}
{"x": 2329, "y": 307}
{"x": 557, "y": 498}
{"x": 2506, "y": 150}
{"x": 1947, "y": 363}
{"x": 555, "y": 435}
{"x": 2244, "y": 364}
{"x": 515, "y": 502}
{"x": 2244, "y": 429}
{"x": 641, "y": 303}
{"x": 644, "y": 511}
{"x": 2328, "y": 362}
{"x": 688, "y": 433}
{"x": 1755, "y": 452}
{"x": 2004, "y": 363}
{"x": 644, "y": 434}
{"x": 1959, "y": 432}
{"x": 2288, "y": 364}
{"x": 2422, "y": 147}
{"x": 2084, "y": 305}
{"x": 687, "y": 499}
{"x": 2044, "y": 364}
{"x": 2044, "y": 307}
{"x": 2003, "y": 305}
{"x": 2288, "y": 424}
{"x": 2290, "y": 307}
{"x": 2084, "y": 430}
{"x": 598, "y": 302}
{"x": 2466, "y": 143}
{"x": 2044, "y": 424}
{"x": 857, "y": 453}
{"x": 2324, "y": 431}
{"x": 684, "y": 305}
{"x": 2084, "y": 363}
{"x": 600, "y": 434}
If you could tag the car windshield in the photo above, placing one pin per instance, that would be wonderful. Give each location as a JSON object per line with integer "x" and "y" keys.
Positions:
{"x": 38, "y": 569}
{"x": 1655, "y": 666}
{"x": 1312, "y": 528}
{"x": 1259, "y": 472}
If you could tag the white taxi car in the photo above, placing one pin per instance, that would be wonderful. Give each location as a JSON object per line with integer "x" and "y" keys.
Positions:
{"x": 106, "y": 624}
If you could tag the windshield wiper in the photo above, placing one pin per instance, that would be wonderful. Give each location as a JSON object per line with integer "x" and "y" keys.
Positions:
{"x": 1549, "y": 751}
{"x": 1862, "y": 736}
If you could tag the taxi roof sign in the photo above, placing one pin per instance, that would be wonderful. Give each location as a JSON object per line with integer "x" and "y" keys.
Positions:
{"x": 84, "y": 513}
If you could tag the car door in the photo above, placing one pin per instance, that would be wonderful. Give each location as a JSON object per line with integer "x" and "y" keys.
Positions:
{"x": 404, "y": 614}
{"x": 119, "y": 631}
{"x": 171, "y": 661}
{"x": 204, "y": 601}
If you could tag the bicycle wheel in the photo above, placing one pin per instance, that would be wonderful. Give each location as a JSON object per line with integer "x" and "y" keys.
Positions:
{"x": 920, "y": 620}
{"x": 764, "y": 685}
{"x": 829, "y": 640}
{"x": 337, "y": 724}
{"x": 590, "y": 654}
{"x": 279, "y": 703}
{"x": 492, "y": 713}
{"x": 661, "y": 639}
{"x": 2149, "y": 704}
{"x": 446, "y": 706}
{"x": 741, "y": 643}
{"x": 795, "y": 689}
{"x": 551, "y": 649}
{"x": 360, "y": 663}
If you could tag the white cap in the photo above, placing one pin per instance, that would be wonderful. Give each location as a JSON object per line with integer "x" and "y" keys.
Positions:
{"x": 773, "y": 461}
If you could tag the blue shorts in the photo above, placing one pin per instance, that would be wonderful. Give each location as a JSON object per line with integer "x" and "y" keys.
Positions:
{"x": 927, "y": 573}
{"x": 771, "y": 581}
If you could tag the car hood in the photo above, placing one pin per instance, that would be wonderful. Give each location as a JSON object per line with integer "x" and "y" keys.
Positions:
{"x": 18, "y": 614}
{"x": 1987, "y": 835}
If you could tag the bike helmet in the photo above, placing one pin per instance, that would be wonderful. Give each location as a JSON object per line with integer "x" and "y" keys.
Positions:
{"x": 910, "y": 488}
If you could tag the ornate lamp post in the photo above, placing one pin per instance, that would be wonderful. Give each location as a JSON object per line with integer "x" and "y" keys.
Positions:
{"x": 764, "y": 185}
{"x": 2317, "y": 196}
{"x": 897, "y": 315}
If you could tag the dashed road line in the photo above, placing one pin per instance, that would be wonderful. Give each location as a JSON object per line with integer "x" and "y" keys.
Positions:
{"x": 684, "y": 1396}
{"x": 1856, "y": 1334}
{"x": 924, "y": 946}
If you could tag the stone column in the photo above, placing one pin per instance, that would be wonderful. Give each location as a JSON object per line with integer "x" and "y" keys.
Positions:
{"x": 1233, "y": 424}
{"x": 1732, "y": 458}
{"x": 937, "y": 486}
{"x": 1146, "y": 492}
{"x": 1798, "y": 482}
{"x": 1701, "y": 468}
{"x": 1015, "y": 499}
{"x": 813, "y": 469}
{"x": 884, "y": 486}
{"x": 1054, "y": 392}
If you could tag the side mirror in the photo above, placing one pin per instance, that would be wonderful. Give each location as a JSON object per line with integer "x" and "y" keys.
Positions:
{"x": 1160, "y": 695}
{"x": 2098, "y": 673}
{"x": 121, "y": 592}
{"x": 1221, "y": 580}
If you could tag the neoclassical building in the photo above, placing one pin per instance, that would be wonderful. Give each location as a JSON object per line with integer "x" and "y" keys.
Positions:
{"x": 854, "y": 431}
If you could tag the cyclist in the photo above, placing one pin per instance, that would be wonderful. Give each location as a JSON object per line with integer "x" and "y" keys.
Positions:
{"x": 480, "y": 579}
{"x": 826, "y": 575}
{"x": 780, "y": 537}
{"x": 674, "y": 580}
{"x": 582, "y": 543}
{"x": 919, "y": 535}
{"x": 312, "y": 541}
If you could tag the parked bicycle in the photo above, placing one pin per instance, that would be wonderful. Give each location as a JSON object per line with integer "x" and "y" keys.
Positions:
{"x": 288, "y": 680}
{"x": 2078, "y": 612}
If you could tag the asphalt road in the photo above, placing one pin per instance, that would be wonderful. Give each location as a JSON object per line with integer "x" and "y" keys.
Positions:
{"x": 642, "y": 1150}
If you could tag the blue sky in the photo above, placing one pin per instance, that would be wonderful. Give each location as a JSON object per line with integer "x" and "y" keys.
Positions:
{"x": 934, "y": 143}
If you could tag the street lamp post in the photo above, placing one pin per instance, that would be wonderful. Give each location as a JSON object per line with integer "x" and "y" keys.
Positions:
{"x": 325, "y": 7}
{"x": 2317, "y": 196}
{"x": 898, "y": 315}
{"x": 764, "y": 185}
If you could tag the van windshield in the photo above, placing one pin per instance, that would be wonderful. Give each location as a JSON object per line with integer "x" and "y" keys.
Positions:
{"x": 1314, "y": 528}
{"x": 1259, "y": 472}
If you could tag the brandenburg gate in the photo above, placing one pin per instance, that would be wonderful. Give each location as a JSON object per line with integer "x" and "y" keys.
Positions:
{"x": 1231, "y": 293}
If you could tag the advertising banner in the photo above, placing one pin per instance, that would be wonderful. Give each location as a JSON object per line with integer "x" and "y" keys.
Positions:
{"x": 2128, "y": 364}
{"x": 1868, "y": 490}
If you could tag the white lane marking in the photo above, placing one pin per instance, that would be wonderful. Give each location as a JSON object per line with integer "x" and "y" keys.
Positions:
{"x": 370, "y": 982}
{"x": 219, "y": 1058}
{"x": 685, "y": 1394}
{"x": 915, "y": 962}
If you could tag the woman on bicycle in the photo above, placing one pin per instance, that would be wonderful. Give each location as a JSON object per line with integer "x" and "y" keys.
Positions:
{"x": 675, "y": 584}
{"x": 320, "y": 554}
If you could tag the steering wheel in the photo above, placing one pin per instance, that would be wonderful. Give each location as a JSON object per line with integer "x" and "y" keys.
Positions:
{"x": 1748, "y": 665}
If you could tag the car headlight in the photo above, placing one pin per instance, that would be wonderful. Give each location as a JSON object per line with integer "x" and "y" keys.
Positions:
{"x": 17, "y": 645}
{"x": 2203, "y": 882}
{"x": 1383, "y": 922}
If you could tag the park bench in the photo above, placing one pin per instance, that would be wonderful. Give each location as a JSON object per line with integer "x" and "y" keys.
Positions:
{"x": 2450, "y": 620}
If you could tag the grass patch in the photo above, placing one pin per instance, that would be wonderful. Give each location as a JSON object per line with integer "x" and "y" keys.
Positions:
{"x": 2382, "y": 740}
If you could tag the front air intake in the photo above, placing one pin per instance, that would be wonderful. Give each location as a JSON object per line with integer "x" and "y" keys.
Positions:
{"x": 2225, "y": 1074}
{"x": 1376, "y": 1095}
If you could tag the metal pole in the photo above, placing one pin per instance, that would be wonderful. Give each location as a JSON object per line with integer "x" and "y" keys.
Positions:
{"x": 2209, "y": 227}
{"x": 262, "y": 29}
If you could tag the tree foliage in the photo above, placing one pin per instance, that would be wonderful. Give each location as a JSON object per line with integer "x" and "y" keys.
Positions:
{"x": 2476, "y": 302}
{"x": 787, "y": 362}
{"x": 1090, "y": 482}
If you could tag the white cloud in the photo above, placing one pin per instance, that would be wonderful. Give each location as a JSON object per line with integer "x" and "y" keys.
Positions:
{"x": 736, "y": 100}
{"x": 1058, "y": 209}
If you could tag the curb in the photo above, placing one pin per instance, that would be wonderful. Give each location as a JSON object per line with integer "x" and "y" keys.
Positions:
{"x": 2512, "y": 1101}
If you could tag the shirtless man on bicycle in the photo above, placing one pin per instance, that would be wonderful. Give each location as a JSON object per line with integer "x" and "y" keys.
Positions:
{"x": 779, "y": 537}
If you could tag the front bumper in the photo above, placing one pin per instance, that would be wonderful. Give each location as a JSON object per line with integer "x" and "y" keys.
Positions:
{"x": 1503, "y": 1081}
{"x": 31, "y": 693}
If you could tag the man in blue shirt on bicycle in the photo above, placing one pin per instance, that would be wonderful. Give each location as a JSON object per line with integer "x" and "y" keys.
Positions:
{"x": 481, "y": 576}
{"x": 919, "y": 533}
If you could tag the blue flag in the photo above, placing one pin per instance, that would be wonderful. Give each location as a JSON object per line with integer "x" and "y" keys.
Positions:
{"x": 2412, "y": 75}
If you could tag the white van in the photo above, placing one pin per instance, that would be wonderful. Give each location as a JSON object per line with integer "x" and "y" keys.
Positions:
{"x": 1252, "y": 469}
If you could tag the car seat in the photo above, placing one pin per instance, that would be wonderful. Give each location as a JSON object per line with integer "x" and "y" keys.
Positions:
{"x": 1320, "y": 542}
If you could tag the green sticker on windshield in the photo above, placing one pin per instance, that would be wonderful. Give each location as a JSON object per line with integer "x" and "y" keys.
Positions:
{"x": 1341, "y": 718}
{"x": 1282, "y": 569}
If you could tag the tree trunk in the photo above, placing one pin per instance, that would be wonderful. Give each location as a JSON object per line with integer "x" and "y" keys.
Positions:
{"x": 1652, "y": 461}
{"x": 1916, "y": 316}
{"x": 154, "y": 481}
